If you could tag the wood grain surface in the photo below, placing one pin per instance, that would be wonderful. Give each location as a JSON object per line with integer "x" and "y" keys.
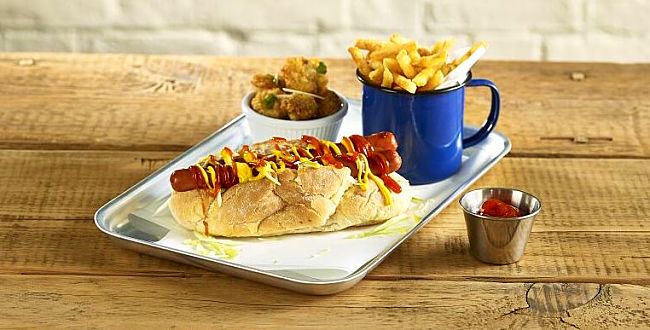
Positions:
{"x": 76, "y": 130}
{"x": 229, "y": 302}
{"x": 133, "y": 102}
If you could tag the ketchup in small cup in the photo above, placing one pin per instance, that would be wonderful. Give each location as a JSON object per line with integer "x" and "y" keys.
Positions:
{"x": 499, "y": 222}
{"x": 497, "y": 208}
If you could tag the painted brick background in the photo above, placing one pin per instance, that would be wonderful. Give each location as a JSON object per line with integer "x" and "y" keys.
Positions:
{"x": 558, "y": 30}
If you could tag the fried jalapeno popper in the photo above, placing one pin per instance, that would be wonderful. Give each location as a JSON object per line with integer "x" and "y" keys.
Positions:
{"x": 298, "y": 92}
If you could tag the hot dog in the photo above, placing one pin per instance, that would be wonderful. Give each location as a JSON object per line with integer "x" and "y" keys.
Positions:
{"x": 278, "y": 187}
{"x": 382, "y": 151}
{"x": 382, "y": 141}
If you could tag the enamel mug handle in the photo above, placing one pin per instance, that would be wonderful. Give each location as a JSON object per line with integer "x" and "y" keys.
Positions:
{"x": 492, "y": 118}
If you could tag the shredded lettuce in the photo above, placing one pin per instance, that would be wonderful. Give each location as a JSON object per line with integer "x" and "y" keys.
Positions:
{"x": 211, "y": 247}
{"x": 394, "y": 226}
{"x": 400, "y": 224}
{"x": 417, "y": 200}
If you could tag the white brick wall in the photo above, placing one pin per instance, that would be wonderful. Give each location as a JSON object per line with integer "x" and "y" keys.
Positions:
{"x": 563, "y": 30}
{"x": 35, "y": 14}
{"x": 386, "y": 15}
{"x": 17, "y": 40}
{"x": 162, "y": 42}
{"x": 542, "y": 16}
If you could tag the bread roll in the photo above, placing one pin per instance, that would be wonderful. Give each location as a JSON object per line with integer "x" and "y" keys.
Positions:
{"x": 306, "y": 200}
{"x": 360, "y": 207}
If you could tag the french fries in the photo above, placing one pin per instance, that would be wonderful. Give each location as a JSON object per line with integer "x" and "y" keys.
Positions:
{"x": 377, "y": 76}
{"x": 431, "y": 61}
{"x": 368, "y": 44}
{"x": 405, "y": 83}
{"x": 376, "y": 64}
{"x": 401, "y": 64}
{"x": 424, "y": 76}
{"x": 392, "y": 65}
{"x": 391, "y": 50}
{"x": 404, "y": 61}
{"x": 424, "y": 51}
{"x": 387, "y": 79}
{"x": 442, "y": 46}
{"x": 433, "y": 82}
{"x": 415, "y": 55}
{"x": 357, "y": 57}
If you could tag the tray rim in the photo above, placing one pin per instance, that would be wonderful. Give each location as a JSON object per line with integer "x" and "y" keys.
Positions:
{"x": 317, "y": 287}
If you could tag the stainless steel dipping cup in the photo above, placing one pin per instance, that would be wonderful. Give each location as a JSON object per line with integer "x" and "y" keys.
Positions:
{"x": 497, "y": 240}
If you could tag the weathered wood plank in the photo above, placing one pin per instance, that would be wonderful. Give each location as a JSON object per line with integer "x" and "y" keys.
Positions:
{"x": 550, "y": 256}
{"x": 134, "y": 102}
{"x": 89, "y": 301}
{"x": 436, "y": 252}
{"x": 68, "y": 185}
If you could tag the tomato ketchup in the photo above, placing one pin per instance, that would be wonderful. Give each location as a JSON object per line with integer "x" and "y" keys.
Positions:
{"x": 496, "y": 208}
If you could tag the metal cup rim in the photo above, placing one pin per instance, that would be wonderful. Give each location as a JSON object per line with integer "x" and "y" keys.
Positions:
{"x": 491, "y": 218}
{"x": 431, "y": 92}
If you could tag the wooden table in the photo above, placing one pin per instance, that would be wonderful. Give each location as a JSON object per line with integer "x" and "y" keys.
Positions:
{"x": 76, "y": 130}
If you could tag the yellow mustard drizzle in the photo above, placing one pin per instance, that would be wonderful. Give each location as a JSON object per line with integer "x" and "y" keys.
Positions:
{"x": 388, "y": 200}
{"x": 364, "y": 174}
{"x": 332, "y": 146}
{"x": 203, "y": 161}
{"x": 226, "y": 155}
{"x": 244, "y": 173}
{"x": 266, "y": 172}
{"x": 304, "y": 161}
{"x": 205, "y": 177}
{"x": 308, "y": 163}
{"x": 278, "y": 169}
{"x": 295, "y": 151}
{"x": 213, "y": 176}
{"x": 366, "y": 168}
{"x": 270, "y": 170}
{"x": 347, "y": 143}
{"x": 249, "y": 157}
{"x": 278, "y": 155}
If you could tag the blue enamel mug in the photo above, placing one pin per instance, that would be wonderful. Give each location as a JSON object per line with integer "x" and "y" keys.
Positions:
{"x": 428, "y": 126}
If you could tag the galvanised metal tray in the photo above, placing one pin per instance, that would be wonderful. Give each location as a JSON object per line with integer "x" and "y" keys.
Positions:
{"x": 320, "y": 263}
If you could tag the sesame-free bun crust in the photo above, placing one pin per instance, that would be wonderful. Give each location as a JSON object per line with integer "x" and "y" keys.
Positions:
{"x": 306, "y": 200}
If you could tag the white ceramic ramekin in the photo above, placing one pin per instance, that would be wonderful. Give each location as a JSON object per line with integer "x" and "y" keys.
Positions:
{"x": 264, "y": 128}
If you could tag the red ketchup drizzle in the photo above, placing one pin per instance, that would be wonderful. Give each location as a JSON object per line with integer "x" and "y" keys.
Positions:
{"x": 349, "y": 161}
{"x": 361, "y": 145}
{"x": 324, "y": 151}
{"x": 302, "y": 152}
{"x": 496, "y": 208}
{"x": 205, "y": 224}
{"x": 332, "y": 160}
{"x": 226, "y": 175}
{"x": 391, "y": 184}
{"x": 379, "y": 162}
{"x": 314, "y": 143}
{"x": 376, "y": 160}
{"x": 291, "y": 165}
{"x": 198, "y": 178}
